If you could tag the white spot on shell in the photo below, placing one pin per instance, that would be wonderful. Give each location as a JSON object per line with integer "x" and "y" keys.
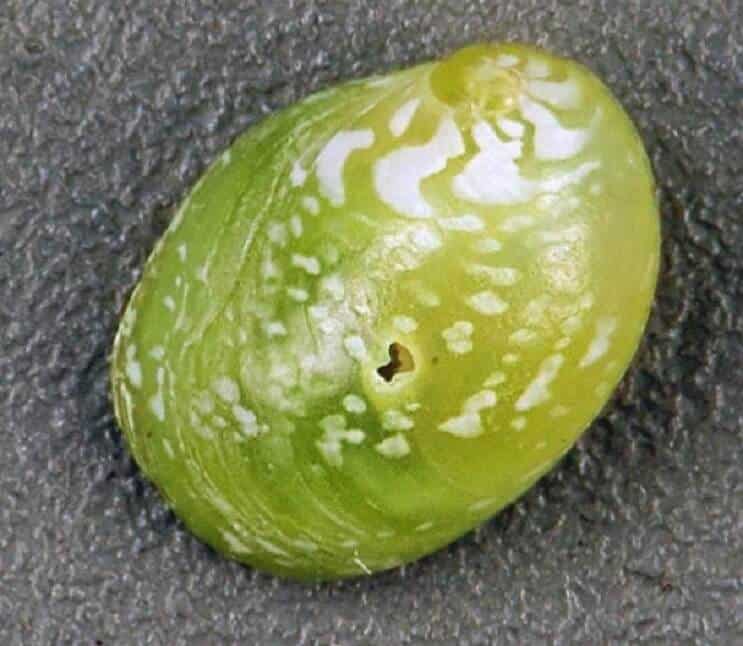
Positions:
{"x": 227, "y": 389}
{"x": 514, "y": 129}
{"x": 425, "y": 239}
{"x": 497, "y": 276}
{"x": 466, "y": 223}
{"x": 133, "y": 368}
{"x": 310, "y": 264}
{"x": 516, "y": 223}
{"x": 157, "y": 353}
{"x": 552, "y": 141}
{"x": 247, "y": 420}
{"x": 605, "y": 328}
{"x": 506, "y": 60}
{"x": 495, "y": 379}
{"x": 276, "y": 232}
{"x": 275, "y": 328}
{"x": 537, "y": 392}
{"x": 157, "y": 406}
{"x": 295, "y": 226}
{"x": 398, "y": 176}
{"x": 511, "y": 359}
{"x": 401, "y": 119}
{"x": 458, "y": 337}
{"x": 354, "y": 404}
{"x": 298, "y": 175}
{"x": 487, "y": 303}
{"x": 355, "y": 347}
{"x": 169, "y": 303}
{"x": 297, "y": 294}
{"x": 523, "y": 336}
{"x": 405, "y": 324}
{"x": 183, "y": 251}
{"x": 333, "y": 285}
{"x": 565, "y": 95}
{"x": 394, "y": 420}
{"x": 395, "y": 446}
{"x": 311, "y": 205}
{"x": 332, "y": 160}
{"x": 518, "y": 423}
{"x": 466, "y": 426}
{"x": 480, "y": 401}
{"x": 488, "y": 245}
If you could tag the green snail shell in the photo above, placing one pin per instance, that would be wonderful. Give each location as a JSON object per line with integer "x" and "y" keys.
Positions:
{"x": 387, "y": 310}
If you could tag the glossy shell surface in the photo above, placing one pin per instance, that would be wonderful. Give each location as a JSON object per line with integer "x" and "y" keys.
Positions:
{"x": 386, "y": 311}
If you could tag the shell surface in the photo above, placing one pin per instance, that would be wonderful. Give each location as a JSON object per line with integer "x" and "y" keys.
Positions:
{"x": 386, "y": 311}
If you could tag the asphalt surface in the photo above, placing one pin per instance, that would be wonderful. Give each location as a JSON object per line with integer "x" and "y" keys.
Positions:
{"x": 109, "y": 111}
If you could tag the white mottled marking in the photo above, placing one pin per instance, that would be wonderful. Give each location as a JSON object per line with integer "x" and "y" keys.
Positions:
{"x": 395, "y": 446}
{"x": 295, "y": 226}
{"x": 333, "y": 285}
{"x": 297, "y": 294}
{"x": 516, "y": 223}
{"x": 480, "y": 401}
{"x": 497, "y": 276}
{"x": 311, "y": 204}
{"x": 552, "y": 141}
{"x": 183, "y": 251}
{"x": 467, "y": 223}
{"x": 332, "y": 159}
{"x": 523, "y": 336}
{"x": 276, "y": 232}
{"x": 511, "y": 359}
{"x": 565, "y": 95}
{"x": 466, "y": 426}
{"x": 298, "y": 175}
{"x": 458, "y": 337}
{"x": 507, "y": 60}
{"x": 495, "y": 379}
{"x": 157, "y": 353}
{"x": 488, "y": 245}
{"x": 426, "y": 239}
{"x": 310, "y": 264}
{"x": 605, "y": 328}
{"x": 247, "y": 420}
{"x": 537, "y": 392}
{"x": 512, "y": 128}
{"x": 354, "y": 404}
{"x": 394, "y": 420}
{"x": 424, "y": 295}
{"x": 275, "y": 328}
{"x": 405, "y": 324}
{"x": 157, "y": 406}
{"x": 518, "y": 423}
{"x": 492, "y": 176}
{"x": 226, "y": 388}
{"x": 398, "y": 176}
{"x": 487, "y": 302}
{"x": 133, "y": 368}
{"x": 169, "y": 303}
{"x": 355, "y": 347}
{"x": 403, "y": 116}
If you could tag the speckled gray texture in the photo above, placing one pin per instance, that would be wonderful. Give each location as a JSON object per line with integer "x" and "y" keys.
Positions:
{"x": 110, "y": 110}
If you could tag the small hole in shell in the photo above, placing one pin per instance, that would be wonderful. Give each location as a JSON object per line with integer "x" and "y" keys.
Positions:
{"x": 401, "y": 360}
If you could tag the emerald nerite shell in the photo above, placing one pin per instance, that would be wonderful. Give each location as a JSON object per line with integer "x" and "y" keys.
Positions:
{"x": 387, "y": 310}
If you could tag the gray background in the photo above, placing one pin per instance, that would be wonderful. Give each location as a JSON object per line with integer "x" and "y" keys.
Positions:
{"x": 108, "y": 113}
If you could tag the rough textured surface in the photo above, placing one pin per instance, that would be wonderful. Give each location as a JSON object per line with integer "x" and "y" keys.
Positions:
{"x": 109, "y": 111}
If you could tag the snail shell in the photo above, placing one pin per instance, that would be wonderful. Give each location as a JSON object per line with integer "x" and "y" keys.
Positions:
{"x": 387, "y": 310}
